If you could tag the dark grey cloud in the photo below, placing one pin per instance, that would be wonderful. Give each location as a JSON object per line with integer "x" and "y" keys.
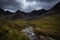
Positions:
{"x": 48, "y": 1}
{"x": 27, "y": 5}
{"x": 9, "y": 4}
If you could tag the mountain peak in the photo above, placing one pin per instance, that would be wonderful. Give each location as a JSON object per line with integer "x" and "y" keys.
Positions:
{"x": 18, "y": 11}
{"x": 57, "y": 6}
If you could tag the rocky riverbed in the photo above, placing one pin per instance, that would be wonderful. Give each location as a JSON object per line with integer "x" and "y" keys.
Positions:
{"x": 30, "y": 33}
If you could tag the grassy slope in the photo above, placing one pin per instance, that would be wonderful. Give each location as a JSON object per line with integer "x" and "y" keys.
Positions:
{"x": 10, "y": 30}
{"x": 49, "y": 25}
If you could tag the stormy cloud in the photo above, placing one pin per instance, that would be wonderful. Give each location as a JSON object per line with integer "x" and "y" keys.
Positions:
{"x": 27, "y": 5}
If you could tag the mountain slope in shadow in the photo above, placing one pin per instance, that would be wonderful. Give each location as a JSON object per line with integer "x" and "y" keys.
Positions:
{"x": 35, "y": 14}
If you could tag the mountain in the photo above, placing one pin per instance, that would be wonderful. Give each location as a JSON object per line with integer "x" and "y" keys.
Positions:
{"x": 49, "y": 23}
{"x": 4, "y": 13}
{"x": 38, "y": 12}
{"x": 8, "y": 13}
{"x": 56, "y": 7}
{"x": 35, "y": 14}
{"x": 22, "y": 15}
{"x": 54, "y": 10}
{"x": 32, "y": 15}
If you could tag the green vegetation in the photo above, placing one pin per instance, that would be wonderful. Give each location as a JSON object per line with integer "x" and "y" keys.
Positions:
{"x": 11, "y": 31}
{"x": 48, "y": 25}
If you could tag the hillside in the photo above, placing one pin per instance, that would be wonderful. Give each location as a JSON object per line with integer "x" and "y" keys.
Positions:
{"x": 49, "y": 24}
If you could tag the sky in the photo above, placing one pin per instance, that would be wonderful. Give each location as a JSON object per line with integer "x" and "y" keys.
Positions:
{"x": 27, "y": 5}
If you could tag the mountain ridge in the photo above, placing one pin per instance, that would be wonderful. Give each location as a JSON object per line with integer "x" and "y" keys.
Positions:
{"x": 28, "y": 16}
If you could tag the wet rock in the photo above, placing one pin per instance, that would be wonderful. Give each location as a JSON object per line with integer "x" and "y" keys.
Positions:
{"x": 30, "y": 33}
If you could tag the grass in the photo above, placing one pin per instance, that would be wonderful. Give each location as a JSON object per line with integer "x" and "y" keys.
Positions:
{"x": 48, "y": 25}
{"x": 11, "y": 31}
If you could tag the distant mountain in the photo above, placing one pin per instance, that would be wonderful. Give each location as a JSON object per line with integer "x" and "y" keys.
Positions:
{"x": 38, "y": 12}
{"x": 32, "y": 15}
{"x": 35, "y": 14}
{"x": 18, "y": 14}
{"x": 56, "y": 7}
{"x": 8, "y": 13}
{"x": 54, "y": 10}
{"x": 4, "y": 13}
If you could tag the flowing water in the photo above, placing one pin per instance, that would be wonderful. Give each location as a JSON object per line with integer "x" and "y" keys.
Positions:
{"x": 30, "y": 33}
